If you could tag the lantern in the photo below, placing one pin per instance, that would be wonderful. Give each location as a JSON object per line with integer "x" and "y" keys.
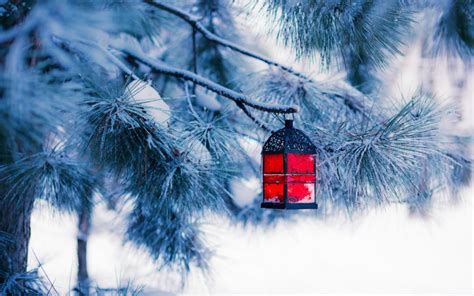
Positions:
{"x": 289, "y": 170}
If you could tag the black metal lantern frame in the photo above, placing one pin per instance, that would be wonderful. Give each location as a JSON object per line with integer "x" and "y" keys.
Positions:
{"x": 285, "y": 141}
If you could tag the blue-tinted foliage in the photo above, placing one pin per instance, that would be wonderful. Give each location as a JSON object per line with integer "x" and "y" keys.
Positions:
{"x": 174, "y": 242}
{"x": 25, "y": 283}
{"x": 64, "y": 182}
{"x": 453, "y": 32}
{"x": 67, "y": 117}
{"x": 118, "y": 133}
{"x": 343, "y": 30}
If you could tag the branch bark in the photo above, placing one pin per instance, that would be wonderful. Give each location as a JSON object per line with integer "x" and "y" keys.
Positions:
{"x": 15, "y": 222}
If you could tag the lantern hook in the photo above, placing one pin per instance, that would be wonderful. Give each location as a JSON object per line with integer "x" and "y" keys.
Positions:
{"x": 289, "y": 120}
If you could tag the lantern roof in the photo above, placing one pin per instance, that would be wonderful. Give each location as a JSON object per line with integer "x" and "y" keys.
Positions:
{"x": 289, "y": 140}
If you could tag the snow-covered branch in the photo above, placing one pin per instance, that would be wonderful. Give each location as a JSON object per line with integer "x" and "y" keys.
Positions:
{"x": 237, "y": 97}
{"x": 351, "y": 102}
{"x": 129, "y": 71}
{"x": 194, "y": 22}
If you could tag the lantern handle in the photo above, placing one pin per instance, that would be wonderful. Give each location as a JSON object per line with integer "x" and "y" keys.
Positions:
{"x": 289, "y": 120}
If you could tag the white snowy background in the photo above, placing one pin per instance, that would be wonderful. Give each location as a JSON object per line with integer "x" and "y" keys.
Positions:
{"x": 386, "y": 251}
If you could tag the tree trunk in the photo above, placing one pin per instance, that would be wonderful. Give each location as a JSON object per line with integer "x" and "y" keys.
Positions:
{"x": 84, "y": 223}
{"x": 15, "y": 224}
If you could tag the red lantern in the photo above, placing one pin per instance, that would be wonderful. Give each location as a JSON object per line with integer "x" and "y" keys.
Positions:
{"x": 289, "y": 170}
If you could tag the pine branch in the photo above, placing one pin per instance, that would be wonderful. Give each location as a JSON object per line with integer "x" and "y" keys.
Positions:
{"x": 194, "y": 22}
{"x": 129, "y": 71}
{"x": 452, "y": 34}
{"x": 119, "y": 133}
{"x": 23, "y": 283}
{"x": 51, "y": 175}
{"x": 353, "y": 104}
{"x": 335, "y": 30}
{"x": 161, "y": 67}
{"x": 175, "y": 243}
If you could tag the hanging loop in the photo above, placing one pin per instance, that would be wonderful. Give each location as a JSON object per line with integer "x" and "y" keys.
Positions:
{"x": 289, "y": 117}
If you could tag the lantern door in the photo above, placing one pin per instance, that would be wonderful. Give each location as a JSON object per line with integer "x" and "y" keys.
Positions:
{"x": 301, "y": 180}
{"x": 274, "y": 179}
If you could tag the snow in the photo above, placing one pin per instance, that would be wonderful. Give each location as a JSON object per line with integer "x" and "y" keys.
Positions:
{"x": 142, "y": 92}
{"x": 384, "y": 252}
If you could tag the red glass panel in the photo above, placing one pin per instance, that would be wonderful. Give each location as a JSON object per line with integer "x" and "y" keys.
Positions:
{"x": 300, "y": 192}
{"x": 273, "y": 193}
{"x": 273, "y": 163}
{"x": 300, "y": 163}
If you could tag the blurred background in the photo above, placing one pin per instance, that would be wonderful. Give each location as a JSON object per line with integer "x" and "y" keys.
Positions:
{"x": 388, "y": 250}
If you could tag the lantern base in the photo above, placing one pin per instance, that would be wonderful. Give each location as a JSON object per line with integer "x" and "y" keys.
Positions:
{"x": 282, "y": 206}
